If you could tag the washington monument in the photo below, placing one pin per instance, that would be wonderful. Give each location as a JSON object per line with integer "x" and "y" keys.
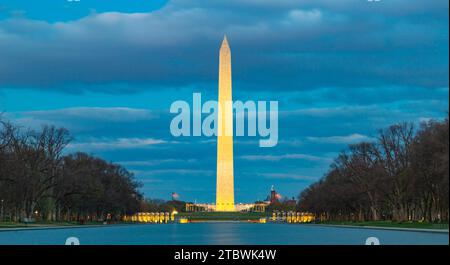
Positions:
{"x": 225, "y": 171}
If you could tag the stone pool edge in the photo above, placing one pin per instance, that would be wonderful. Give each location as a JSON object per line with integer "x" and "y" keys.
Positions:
{"x": 424, "y": 230}
{"x": 5, "y": 229}
{"x": 442, "y": 231}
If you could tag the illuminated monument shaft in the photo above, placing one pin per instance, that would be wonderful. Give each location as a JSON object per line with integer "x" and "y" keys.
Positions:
{"x": 225, "y": 172}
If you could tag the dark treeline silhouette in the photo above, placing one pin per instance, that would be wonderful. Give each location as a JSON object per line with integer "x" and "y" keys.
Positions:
{"x": 38, "y": 181}
{"x": 158, "y": 205}
{"x": 284, "y": 205}
{"x": 403, "y": 176}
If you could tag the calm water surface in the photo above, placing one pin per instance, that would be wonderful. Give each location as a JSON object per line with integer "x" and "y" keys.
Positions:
{"x": 219, "y": 233}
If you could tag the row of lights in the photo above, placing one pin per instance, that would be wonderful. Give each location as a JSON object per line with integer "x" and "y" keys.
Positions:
{"x": 292, "y": 217}
{"x": 152, "y": 217}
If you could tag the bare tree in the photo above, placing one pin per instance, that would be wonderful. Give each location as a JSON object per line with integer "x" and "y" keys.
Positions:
{"x": 403, "y": 176}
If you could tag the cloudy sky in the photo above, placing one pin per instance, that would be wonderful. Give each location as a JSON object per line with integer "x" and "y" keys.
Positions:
{"x": 109, "y": 70}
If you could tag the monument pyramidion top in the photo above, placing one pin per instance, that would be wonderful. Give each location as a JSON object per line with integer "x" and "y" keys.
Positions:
{"x": 225, "y": 45}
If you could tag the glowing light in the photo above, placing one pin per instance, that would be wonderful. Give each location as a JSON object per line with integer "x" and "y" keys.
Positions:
{"x": 225, "y": 171}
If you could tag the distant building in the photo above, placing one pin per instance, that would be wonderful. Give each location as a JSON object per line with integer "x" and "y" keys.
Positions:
{"x": 291, "y": 202}
{"x": 274, "y": 196}
{"x": 240, "y": 207}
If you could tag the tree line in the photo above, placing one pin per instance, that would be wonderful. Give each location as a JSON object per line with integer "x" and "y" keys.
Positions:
{"x": 159, "y": 205}
{"x": 39, "y": 181}
{"x": 402, "y": 176}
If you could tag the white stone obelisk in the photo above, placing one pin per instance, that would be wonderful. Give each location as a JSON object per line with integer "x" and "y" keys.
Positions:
{"x": 225, "y": 171}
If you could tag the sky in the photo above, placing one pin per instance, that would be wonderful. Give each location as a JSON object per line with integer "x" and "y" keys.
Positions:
{"x": 109, "y": 70}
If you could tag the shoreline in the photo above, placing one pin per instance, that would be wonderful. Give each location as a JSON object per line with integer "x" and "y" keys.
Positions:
{"x": 407, "y": 229}
{"x": 44, "y": 227}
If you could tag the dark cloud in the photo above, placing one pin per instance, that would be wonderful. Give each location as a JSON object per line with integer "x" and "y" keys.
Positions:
{"x": 309, "y": 138}
{"x": 340, "y": 70}
{"x": 276, "y": 45}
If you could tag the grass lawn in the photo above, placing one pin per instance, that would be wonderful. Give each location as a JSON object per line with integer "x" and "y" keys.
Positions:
{"x": 222, "y": 216}
{"x": 420, "y": 225}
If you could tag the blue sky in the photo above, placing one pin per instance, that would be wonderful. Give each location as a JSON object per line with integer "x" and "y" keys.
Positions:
{"x": 109, "y": 70}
